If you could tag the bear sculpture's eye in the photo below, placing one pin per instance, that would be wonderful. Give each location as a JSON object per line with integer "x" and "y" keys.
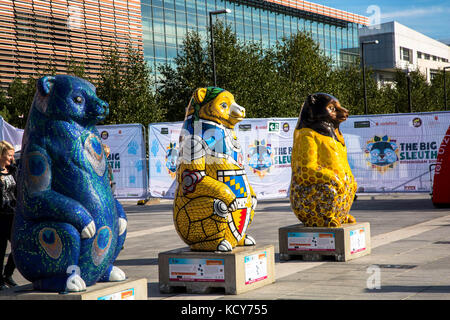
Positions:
{"x": 224, "y": 105}
{"x": 78, "y": 99}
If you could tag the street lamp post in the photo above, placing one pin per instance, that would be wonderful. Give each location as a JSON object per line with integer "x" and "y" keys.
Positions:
{"x": 408, "y": 79}
{"x": 364, "y": 70}
{"x": 211, "y": 13}
{"x": 445, "y": 89}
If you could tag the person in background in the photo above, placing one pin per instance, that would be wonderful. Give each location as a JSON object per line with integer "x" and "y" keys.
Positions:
{"x": 8, "y": 192}
{"x": 110, "y": 173}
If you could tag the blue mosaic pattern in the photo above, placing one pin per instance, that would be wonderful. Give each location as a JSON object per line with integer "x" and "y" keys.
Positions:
{"x": 63, "y": 187}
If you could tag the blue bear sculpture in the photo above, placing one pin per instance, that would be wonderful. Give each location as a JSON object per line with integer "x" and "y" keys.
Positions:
{"x": 68, "y": 228}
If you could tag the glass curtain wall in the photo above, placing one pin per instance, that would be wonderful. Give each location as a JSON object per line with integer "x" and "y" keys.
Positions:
{"x": 166, "y": 22}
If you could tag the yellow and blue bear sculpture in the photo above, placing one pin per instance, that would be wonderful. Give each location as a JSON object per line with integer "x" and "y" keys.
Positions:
{"x": 322, "y": 186}
{"x": 214, "y": 202}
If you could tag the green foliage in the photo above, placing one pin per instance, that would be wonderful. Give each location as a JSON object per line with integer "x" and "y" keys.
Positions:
{"x": 274, "y": 82}
{"x": 126, "y": 85}
{"x": 268, "y": 82}
{"x": 192, "y": 71}
{"x": 16, "y": 102}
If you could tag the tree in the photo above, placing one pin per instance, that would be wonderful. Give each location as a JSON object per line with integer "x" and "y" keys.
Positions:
{"x": 192, "y": 70}
{"x": 4, "y": 110}
{"x": 437, "y": 91}
{"x": 20, "y": 95}
{"x": 420, "y": 92}
{"x": 267, "y": 82}
{"x": 126, "y": 85}
{"x": 76, "y": 68}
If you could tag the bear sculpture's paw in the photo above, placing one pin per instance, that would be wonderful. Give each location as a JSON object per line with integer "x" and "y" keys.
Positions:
{"x": 254, "y": 203}
{"x": 122, "y": 226}
{"x": 224, "y": 246}
{"x": 88, "y": 231}
{"x": 75, "y": 283}
{"x": 350, "y": 219}
{"x": 117, "y": 274}
{"x": 249, "y": 241}
{"x": 220, "y": 208}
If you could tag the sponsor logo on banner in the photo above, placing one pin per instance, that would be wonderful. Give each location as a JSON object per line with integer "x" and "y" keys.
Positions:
{"x": 274, "y": 126}
{"x": 382, "y": 153}
{"x": 361, "y": 124}
{"x": 260, "y": 157}
{"x": 416, "y": 122}
{"x": 245, "y": 127}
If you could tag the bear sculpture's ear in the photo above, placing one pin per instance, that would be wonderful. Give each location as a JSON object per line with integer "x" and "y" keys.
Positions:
{"x": 199, "y": 95}
{"x": 45, "y": 84}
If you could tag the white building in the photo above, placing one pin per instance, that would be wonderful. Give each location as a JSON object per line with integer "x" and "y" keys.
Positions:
{"x": 404, "y": 48}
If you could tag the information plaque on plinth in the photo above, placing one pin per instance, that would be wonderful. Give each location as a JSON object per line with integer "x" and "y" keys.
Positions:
{"x": 348, "y": 242}
{"x": 238, "y": 271}
{"x": 124, "y": 290}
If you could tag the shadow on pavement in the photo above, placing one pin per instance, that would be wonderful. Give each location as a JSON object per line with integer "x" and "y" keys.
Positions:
{"x": 136, "y": 262}
{"x": 418, "y": 289}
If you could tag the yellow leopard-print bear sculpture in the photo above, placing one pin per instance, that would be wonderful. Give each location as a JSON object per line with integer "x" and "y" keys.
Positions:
{"x": 214, "y": 202}
{"x": 322, "y": 186}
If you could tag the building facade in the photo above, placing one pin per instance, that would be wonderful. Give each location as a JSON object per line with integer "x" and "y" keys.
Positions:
{"x": 38, "y": 35}
{"x": 166, "y": 22}
{"x": 402, "y": 48}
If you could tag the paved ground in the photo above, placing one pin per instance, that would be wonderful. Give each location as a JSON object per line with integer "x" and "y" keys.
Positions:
{"x": 410, "y": 252}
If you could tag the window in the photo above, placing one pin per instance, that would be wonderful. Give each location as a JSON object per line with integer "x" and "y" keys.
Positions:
{"x": 427, "y": 56}
{"x": 433, "y": 73}
{"x": 406, "y": 54}
{"x": 419, "y": 55}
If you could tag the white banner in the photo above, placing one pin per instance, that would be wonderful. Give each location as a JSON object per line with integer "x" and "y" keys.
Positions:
{"x": 393, "y": 153}
{"x": 11, "y": 134}
{"x": 127, "y": 159}
{"x": 163, "y": 155}
{"x": 387, "y": 153}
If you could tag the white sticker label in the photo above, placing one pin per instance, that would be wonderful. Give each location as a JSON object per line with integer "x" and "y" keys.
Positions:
{"x": 210, "y": 270}
{"x": 311, "y": 241}
{"x": 255, "y": 267}
{"x": 122, "y": 295}
{"x": 357, "y": 240}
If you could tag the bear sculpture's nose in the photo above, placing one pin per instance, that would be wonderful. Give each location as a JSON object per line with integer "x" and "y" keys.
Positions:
{"x": 237, "y": 111}
{"x": 103, "y": 106}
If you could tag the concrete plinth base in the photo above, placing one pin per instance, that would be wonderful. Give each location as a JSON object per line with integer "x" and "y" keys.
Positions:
{"x": 243, "y": 269}
{"x": 124, "y": 290}
{"x": 345, "y": 243}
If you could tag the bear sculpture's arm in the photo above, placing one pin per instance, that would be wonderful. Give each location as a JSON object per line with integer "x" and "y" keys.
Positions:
{"x": 305, "y": 155}
{"x": 43, "y": 203}
{"x": 196, "y": 183}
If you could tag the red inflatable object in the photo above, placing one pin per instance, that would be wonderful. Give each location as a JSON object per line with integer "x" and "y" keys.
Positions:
{"x": 441, "y": 184}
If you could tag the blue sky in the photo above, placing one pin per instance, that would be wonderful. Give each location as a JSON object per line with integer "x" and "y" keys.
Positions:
{"x": 430, "y": 17}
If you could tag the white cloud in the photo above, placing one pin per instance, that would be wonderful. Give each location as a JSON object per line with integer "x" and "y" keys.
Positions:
{"x": 416, "y": 12}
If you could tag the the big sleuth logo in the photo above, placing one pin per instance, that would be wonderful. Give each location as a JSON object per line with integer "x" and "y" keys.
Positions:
{"x": 382, "y": 153}
{"x": 418, "y": 152}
